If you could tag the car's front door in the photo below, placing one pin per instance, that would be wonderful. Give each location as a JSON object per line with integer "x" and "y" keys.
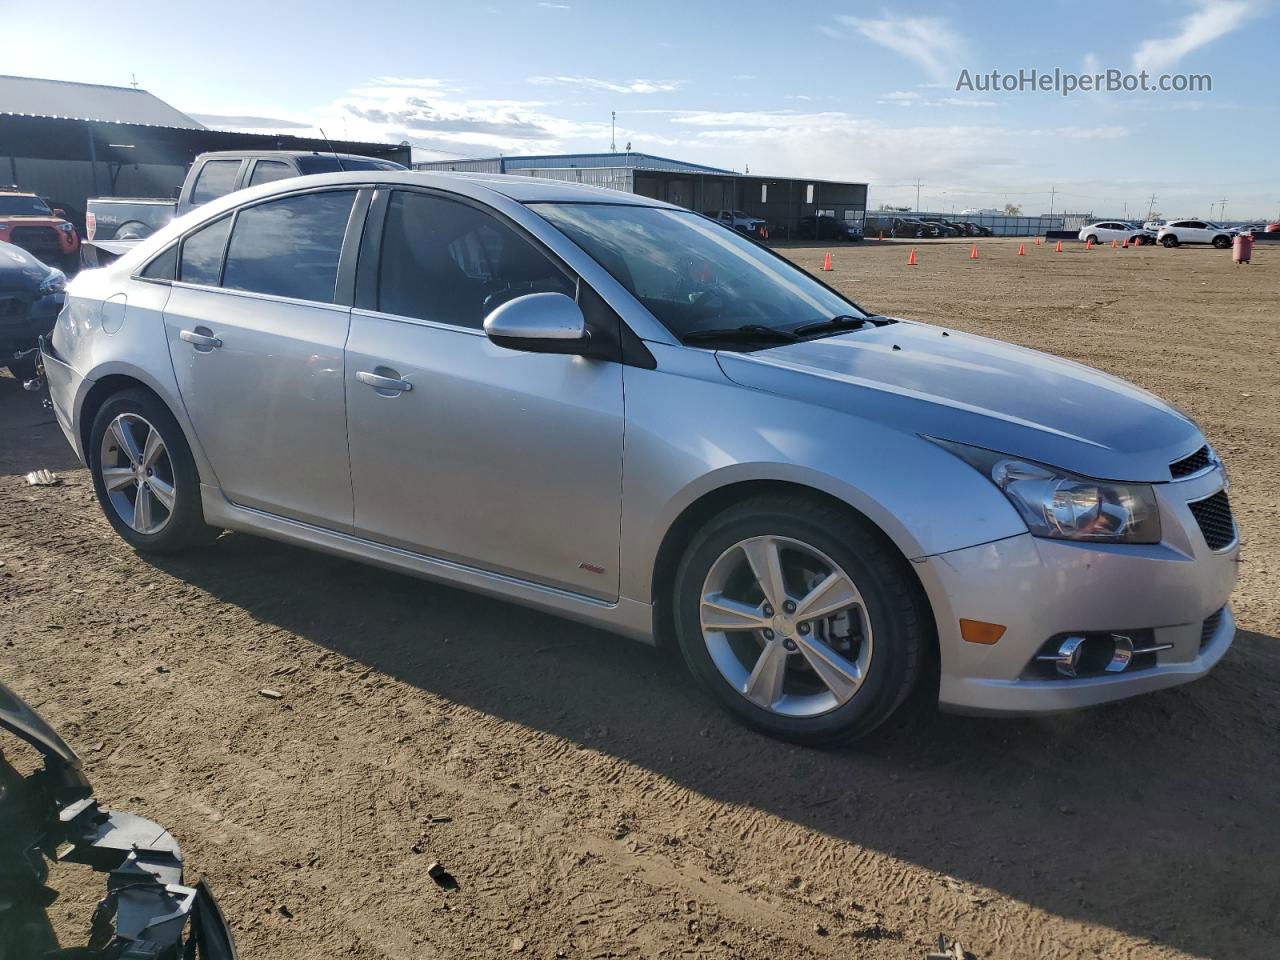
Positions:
{"x": 506, "y": 461}
{"x": 256, "y": 340}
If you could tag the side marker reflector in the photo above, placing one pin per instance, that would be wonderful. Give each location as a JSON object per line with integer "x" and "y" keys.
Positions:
{"x": 977, "y": 631}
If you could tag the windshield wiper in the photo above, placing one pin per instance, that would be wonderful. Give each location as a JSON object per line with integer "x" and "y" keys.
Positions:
{"x": 748, "y": 332}
{"x": 834, "y": 325}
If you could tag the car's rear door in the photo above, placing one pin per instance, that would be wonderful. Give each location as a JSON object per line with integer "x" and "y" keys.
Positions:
{"x": 462, "y": 450}
{"x": 256, "y": 323}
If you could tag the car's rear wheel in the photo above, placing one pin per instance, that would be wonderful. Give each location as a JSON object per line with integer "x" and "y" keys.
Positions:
{"x": 1092, "y": 238}
{"x": 144, "y": 475}
{"x": 1169, "y": 241}
{"x": 1221, "y": 242}
{"x": 801, "y": 618}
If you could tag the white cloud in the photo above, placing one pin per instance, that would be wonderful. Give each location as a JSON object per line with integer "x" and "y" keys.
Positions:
{"x": 1210, "y": 20}
{"x": 905, "y": 97}
{"x": 610, "y": 86}
{"x": 929, "y": 41}
{"x": 553, "y": 6}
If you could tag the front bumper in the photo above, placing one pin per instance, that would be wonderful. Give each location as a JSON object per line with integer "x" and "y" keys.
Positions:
{"x": 1040, "y": 589}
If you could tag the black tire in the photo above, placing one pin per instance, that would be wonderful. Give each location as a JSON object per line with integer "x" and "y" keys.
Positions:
{"x": 1169, "y": 240}
{"x": 185, "y": 527}
{"x": 1221, "y": 242}
{"x": 24, "y": 369}
{"x": 1092, "y": 238}
{"x": 895, "y": 605}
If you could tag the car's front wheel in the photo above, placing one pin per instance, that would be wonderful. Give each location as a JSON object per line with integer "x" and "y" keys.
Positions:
{"x": 1221, "y": 242}
{"x": 144, "y": 475}
{"x": 1169, "y": 241}
{"x": 801, "y": 618}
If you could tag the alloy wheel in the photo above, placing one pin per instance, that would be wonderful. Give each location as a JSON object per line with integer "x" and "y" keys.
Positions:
{"x": 137, "y": 474}
{"x": 786, "y": 626}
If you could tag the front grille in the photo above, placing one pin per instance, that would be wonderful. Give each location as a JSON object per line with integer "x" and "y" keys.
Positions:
{"x": 38, "y": 241}
{"x": 1209, "y": 628}
{"x": 1192, "y": 464}
{"x": 1213, "y": 515}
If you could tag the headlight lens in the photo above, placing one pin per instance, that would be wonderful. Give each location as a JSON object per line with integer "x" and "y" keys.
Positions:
{"x": 66, "y": 228}
{"x": 1062, "y": 505}
{"x": 56, "y": 282}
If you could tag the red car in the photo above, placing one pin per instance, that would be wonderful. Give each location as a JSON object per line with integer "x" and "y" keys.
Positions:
{"x": 26, "y": 221}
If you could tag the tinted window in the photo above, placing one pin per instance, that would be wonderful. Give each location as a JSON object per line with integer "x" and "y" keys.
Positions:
{"x": 266, "y": 171}
{"x": 162, "y": 266}
{"x": 202, "y": 253}
{"x": 214, "y": 180}
{"x": 328, "y": 163}
{"x": 19, "y": 205}
{"x": 289, "y": 247}
{"x": 447, "y": 261}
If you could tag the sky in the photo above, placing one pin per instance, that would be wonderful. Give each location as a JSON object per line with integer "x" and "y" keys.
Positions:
{"x": 861, "y": 91}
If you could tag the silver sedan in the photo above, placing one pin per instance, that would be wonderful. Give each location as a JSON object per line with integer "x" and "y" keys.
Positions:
{"x": 620, "y": 411}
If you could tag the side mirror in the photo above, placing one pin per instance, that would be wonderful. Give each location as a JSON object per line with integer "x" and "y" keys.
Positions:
{"x": 59, "y": 212}
{"x": 539, "y": 323}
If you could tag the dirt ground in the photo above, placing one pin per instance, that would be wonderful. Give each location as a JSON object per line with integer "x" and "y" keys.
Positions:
{"x": 589, "y": 801}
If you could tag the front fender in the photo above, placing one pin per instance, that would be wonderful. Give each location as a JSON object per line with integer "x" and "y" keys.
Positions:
{"x": 691, "y": 435}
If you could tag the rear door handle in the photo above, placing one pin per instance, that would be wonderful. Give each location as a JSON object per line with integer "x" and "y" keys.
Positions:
{"x": 381, "y": 383}
{"x": 201, "y": 338}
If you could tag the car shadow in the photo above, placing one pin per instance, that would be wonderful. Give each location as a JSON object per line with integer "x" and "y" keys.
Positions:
{"x": 1078, "y": 815}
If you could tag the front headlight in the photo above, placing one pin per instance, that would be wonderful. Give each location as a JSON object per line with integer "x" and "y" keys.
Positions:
{"x": 1062, "y": 505}
{"x": 66, "y": 228}
{"x": 56, "y": 282}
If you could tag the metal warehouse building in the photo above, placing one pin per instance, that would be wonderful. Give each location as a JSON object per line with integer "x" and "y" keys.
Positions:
{"x": 71, "y": 141}
{"x": 781, "y": 201}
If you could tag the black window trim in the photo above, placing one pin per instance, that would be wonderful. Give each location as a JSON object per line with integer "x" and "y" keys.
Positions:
{"x": 625, "y": 346}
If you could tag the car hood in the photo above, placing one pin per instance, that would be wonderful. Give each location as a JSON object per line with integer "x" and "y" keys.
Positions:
{"x": 970, "y": 389}
{"x": 21, "y": 720}
{"x": 20, "y": 272}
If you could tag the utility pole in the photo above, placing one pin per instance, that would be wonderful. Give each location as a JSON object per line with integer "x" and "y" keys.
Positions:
{"x": 1222, "y": 209}
{"x": 917, "y": 194}
{"x": 1151, "y": 206}
{"x": 613, "y": 131}
{"x": 1052, "y": 191}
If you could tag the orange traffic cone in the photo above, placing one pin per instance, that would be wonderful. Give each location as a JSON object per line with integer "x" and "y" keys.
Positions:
{"x": 911, "y": 260}
{"x": 1114, "y": 244}
{"x": 1022, "y": 249}
{"x": 881, "y": 234}
{"x": 973, "y": 252}
{"x": 1125, "y": 244}
{"x": 1037, "y": 241}
{"x": 826, "y": 262}
{"x": 1088, "y": 244}
{"x": 1058, "y": 248}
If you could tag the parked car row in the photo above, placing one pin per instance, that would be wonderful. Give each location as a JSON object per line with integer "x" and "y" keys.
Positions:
{"x": 1170, "y": 233}
{"x": 923, "y": 227}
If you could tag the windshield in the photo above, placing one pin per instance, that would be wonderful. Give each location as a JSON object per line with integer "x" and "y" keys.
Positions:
{"x": 16, "y": 205}
{"x": 693, "y": 274}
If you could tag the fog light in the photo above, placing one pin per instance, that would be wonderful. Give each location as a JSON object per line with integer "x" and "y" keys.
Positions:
{"x": 1085, "y": 656}
{"x": 1067, "y": 660}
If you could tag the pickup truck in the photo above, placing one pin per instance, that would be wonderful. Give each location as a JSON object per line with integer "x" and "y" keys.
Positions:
{"x": 114, "y": 224}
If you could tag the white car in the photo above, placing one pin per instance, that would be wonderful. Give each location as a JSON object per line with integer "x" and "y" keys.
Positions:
{"x": 1107, "y": 230}
{"x": 1153, "y": 226}
{"x": 1176, "y": 232}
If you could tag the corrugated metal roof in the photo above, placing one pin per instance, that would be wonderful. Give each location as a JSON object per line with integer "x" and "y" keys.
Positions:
{"x": 632, "y": 159}
{"x": 33, "y": 96}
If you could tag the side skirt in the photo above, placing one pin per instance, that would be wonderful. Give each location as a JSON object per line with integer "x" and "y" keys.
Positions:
{"x": 631, "y": 618}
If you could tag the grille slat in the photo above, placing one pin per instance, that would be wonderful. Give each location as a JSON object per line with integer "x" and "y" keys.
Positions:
{"x": 1198, "y": 461}
{"x": 1213, "y": 515}
{"x": 1209, "y": 628}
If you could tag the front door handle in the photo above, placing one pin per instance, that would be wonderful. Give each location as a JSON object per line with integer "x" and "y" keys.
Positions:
{"x": 201, "y": 338}
{"x": 383, "y": 383}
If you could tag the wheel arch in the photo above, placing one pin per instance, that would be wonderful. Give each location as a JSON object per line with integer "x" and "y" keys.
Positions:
{"x": 115, "y": 379}
{"x": 714, "y": 501}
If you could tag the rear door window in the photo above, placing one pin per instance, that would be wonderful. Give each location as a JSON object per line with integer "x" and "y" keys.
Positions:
{"x": 215, "y": 179}
{"x": 201, "y": 260}
{"x": 289, "y": 247}
{"x": 268, "y": 171}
